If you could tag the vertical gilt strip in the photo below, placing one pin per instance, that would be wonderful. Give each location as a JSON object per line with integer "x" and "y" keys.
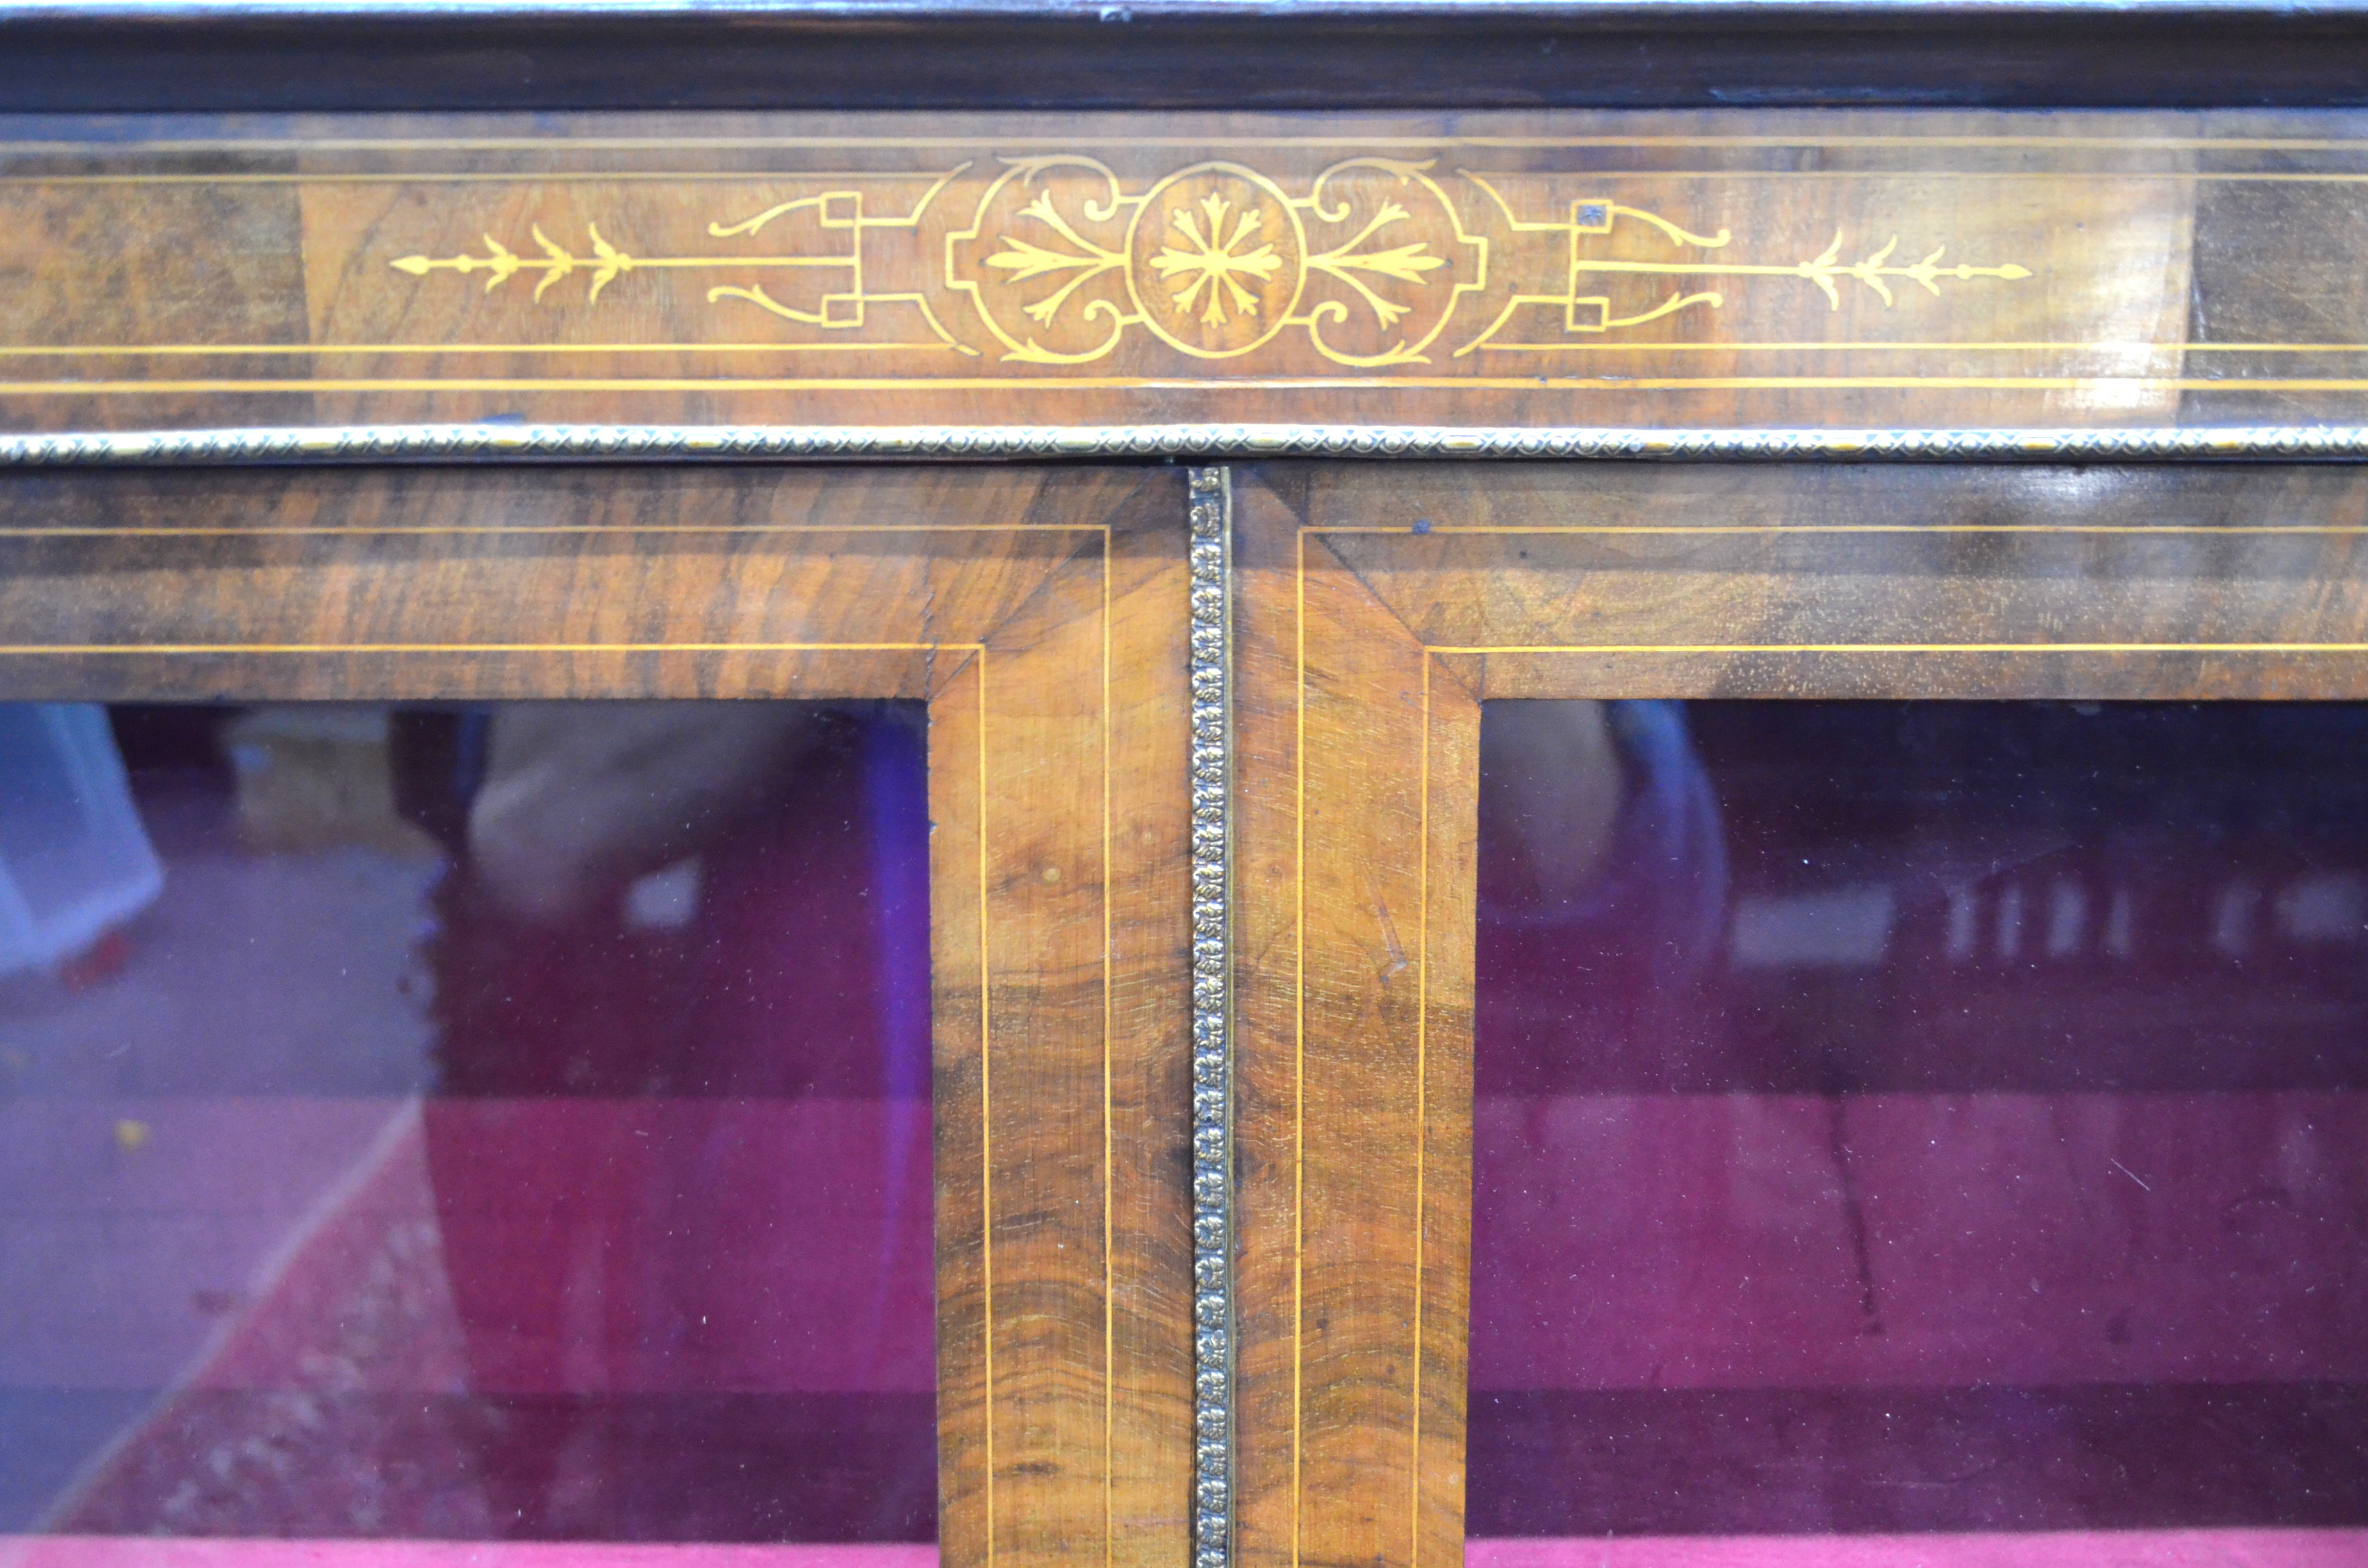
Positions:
{"x": 1211, "y": 532}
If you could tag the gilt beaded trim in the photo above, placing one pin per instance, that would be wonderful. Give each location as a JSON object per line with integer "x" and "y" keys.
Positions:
{"x": 1213, "y": 1441}
{"x": 396, "y": 443}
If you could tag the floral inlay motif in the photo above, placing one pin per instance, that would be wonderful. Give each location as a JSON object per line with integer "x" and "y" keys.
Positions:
{"x": 1210, "y": 262}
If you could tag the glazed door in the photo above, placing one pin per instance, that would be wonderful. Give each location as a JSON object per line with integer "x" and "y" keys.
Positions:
{"x": 1801, "y": 1014}
{"x": 604, "y": 1010}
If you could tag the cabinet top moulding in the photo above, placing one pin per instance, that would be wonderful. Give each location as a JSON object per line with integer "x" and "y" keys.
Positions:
{"x": 290, "y": 55}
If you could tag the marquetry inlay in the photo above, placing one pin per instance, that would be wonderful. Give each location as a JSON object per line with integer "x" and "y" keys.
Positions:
{"x": 1745, "y": 267}
{"x": 824, "y": 234}
{"x": 1056, "y": 261}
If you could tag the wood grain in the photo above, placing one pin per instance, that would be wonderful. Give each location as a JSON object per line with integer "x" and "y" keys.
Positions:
{"x": 1353, "y": 1102}
{"x": 1042, "y": 614}
{"x": 1702, "y": 268}
{"x": 1378, "y": 608}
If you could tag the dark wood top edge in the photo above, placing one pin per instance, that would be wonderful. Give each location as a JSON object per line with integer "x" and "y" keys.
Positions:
{"x": 163, "y": 56}
{"x": 1679, "y": 15}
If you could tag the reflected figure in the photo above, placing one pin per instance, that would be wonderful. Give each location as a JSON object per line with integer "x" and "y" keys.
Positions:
{"x": 75, "y": 863}
{"x": 680, "y": 1146}
{"x": 1940, "y": 1117}
{"x": 580, "y": 800}
{"x": 507, "y": 1123}
{"x": 1603, "y": 883}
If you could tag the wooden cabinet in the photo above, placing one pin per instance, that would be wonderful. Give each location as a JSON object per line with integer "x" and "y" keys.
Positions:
{"x": 1200, "y": 475}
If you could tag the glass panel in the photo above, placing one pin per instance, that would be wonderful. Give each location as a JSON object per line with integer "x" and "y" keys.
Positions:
{"x": 1940, "y": 1118}
{"x": 453, "y": 1124}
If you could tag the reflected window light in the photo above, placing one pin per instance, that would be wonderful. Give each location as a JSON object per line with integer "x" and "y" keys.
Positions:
{"x": 2232, "y": 918}
{"x": 1848, "y": 925}
{"x": 2328, "y": 907}
{"x": 2009, "y": 921}
{"x": 1964, "y": 911}
{"x": 2121, "y": 917}
{"x": 2067, "y": 917}
{"x": 665, "y": 900}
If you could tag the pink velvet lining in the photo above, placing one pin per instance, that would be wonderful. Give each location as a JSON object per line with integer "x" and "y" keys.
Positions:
{"x": 223, "y": 1551}
{"x": 2059, "y": 1548}
{"x": 2050, "y": 1549}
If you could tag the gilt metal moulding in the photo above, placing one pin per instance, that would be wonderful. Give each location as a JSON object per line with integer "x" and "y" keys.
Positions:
{"x": 743, "y": 443}
{"x": 1211, "y": 522}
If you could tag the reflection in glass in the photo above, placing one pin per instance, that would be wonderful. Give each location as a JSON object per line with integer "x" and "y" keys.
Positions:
{"x": 507, "y": 1123}
{"x": 1921, "y": 1118}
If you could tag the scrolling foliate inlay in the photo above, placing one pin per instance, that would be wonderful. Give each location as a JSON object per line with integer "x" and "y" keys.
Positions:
{"x": 1216, "y": 261}
{"x": 1060, "y": 259}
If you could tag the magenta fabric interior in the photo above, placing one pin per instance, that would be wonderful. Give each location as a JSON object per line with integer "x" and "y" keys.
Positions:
{"x": 1988, "y": 1549}
{"x": 629, "y": 1240}
{"x": 223, "y": 1551}
{"x": 1936, "y": 1118}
